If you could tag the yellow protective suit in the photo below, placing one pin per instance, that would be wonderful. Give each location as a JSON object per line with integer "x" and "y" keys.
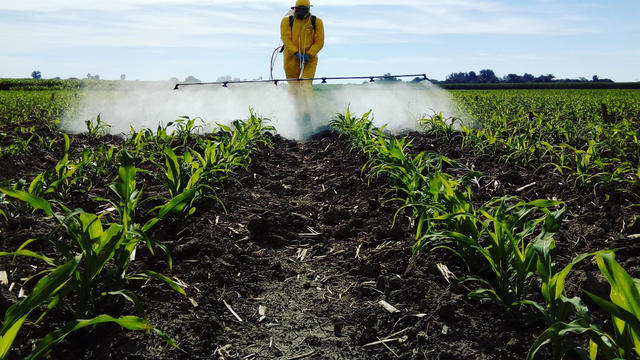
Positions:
{"x": 302, "y": 38}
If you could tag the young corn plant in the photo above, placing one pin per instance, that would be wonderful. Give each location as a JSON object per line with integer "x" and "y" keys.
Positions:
{"x": 558, "y": 307}
{"x": 248, "y": 134}
{"x": 185, "y": 128}
{"x": 436, "y": 124}
{"x": 233, "y": 146}
{"x": 623, "y": 307}
{"x": 183, "y": 176}
{"x": 94, "y": 265}
{"x": 61, "y": 179}
{"x": 358, "y": 131}
{"x": 98, "y": 128}
{"x": 446, "y": 218}
{"x": 512, "y": 230}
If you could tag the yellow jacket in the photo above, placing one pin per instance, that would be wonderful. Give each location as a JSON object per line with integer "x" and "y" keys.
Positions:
{"x": 301, "y": 37}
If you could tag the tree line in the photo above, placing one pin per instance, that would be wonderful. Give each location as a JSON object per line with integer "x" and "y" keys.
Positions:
{"x": 487, "y": 76}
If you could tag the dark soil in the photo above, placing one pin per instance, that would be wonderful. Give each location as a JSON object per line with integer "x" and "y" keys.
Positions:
{"x": 298, "y": 264}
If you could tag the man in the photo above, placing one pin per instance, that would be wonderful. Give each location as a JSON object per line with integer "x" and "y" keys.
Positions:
{"x": 303, "y": 37}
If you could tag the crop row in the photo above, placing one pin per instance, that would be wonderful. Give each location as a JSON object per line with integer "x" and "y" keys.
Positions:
{"x": 28, "y": 121}
{"x": 89, "y": 269}
{"x": 506, "y": 244}
{"x": 587, "y": 137}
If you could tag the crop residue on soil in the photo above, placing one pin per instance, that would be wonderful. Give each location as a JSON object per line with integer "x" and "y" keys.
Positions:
{"x": 303, "y": 256}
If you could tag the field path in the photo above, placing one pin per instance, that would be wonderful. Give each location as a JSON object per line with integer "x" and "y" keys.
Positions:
{"x": 308, "y": 245}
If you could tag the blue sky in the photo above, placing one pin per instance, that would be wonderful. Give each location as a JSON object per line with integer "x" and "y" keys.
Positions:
{"x": 156, "y": 40}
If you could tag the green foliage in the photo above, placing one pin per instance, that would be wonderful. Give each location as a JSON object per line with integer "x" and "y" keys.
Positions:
{"x": 28, "y": 121}
{"x": 586, "y": 137}
{"x": 623, "y": 307}
{"x": 87, "y": 276}
{"x": 91, "y": 263}
{"x": 507, "y": 243}
{"x": 512, "y": 230}
{"x": 97, "y": 128}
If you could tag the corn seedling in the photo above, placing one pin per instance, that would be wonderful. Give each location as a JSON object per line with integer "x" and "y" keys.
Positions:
{"x": 95, "y": 264}
{"x": 512, "y": 231}
{"x": 436, "y": 124}
{"x": 97, "y": 128}
{"x": 623, "y": 307}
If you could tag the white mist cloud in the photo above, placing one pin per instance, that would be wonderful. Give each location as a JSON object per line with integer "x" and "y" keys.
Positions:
{"x": 398, "y": 105}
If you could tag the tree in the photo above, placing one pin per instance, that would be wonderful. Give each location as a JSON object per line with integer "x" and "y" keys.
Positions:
{"x": 123, "y": 76}
{"x": 528, "y": 77}
{"x": 35, "y": 74}
{"x": 192, "y": 79}
{"x": 595, "y": 78}
{"x": 513, "y": 78}
{"x": 472, "y": 77}
{"x": 487, "y": 76}
{"x": 545, "y": 78}
{"x": 457, "y": 78}
{"x": 387, "y": 78}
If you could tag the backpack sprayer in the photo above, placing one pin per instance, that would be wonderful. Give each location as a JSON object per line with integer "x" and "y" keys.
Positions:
{"x": 280, "y": 49}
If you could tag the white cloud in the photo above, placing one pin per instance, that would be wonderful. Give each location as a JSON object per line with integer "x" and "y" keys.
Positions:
{"x": 170, "y": 21}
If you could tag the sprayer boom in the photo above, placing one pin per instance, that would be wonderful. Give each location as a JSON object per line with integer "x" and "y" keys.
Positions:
{"x": 324, "y": 80}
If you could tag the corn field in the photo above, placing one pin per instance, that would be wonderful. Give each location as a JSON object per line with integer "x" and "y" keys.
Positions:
{"x": 508, "y": 233}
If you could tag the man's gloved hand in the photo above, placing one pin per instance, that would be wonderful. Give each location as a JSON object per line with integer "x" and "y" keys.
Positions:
{"x": 303, "y": 58}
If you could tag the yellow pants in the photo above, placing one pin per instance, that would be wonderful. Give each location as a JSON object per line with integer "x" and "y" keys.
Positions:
{"x": 301, "y": 90}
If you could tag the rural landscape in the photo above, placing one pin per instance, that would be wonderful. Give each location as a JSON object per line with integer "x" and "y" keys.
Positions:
{"x": 512, "y": 233}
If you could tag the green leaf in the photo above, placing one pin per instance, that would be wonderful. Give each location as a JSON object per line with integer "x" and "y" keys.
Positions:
{"x": 624, "y": 291}
{"x": 175, "y": 202}
{"x": 543, "y": 203}
{"x": 36, "y": 184}
{"x": 624, "y": 294}
{"x": 7, "y": 338}
{"x": 55, "y": 337}
{"x": 44, "y": 290}
{"x": 558, "y": 330}
{"x": 30, "y": 253}
{"x": 174, "y": 285}
{"x": 36, "y": 202}
{"x": 92, "y": 225}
